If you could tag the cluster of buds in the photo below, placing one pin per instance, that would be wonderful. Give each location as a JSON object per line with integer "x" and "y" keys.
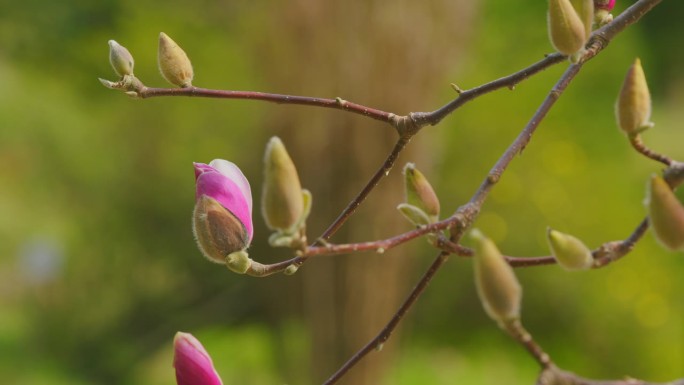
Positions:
{"x": 570, "y": 24}
{"x": 222, "y": 219}
{"x": 421, "y": 206}
{"x": 173, "y": 62}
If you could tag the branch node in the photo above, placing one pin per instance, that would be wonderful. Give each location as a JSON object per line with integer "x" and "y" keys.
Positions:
{"x": 456, "y": 88}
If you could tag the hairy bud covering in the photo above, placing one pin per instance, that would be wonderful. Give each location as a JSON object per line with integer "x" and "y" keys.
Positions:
{"x": 120, "y": 58}
{"x": 666, "y": 214}
{"x": 633, "y": 107}
{"x": 173, "y": 62}
{"x": 497, "y": 286}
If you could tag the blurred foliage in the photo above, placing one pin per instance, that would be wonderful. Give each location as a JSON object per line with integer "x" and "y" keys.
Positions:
{"x": 98, "y": 267}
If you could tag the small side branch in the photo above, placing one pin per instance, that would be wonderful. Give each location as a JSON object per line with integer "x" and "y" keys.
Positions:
{"x": 386, "y": 332}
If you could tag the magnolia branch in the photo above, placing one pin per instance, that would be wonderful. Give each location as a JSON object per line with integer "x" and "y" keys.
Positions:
{"x": 601, "y": 38}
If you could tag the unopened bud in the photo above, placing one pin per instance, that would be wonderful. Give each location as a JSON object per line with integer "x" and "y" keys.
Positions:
{"x": 633, "y": 107}
{"x": 120, "y": 59}
{"x": 419, "y": 192}
{"x": 497, "y": 286}
{"x": 666, "y": 214}
{"x": 607, "y": 5}
{"x": 218, "y": 232}
{"x": 282, "y": 200}
{"x": 174, "y": 64}
{"x": 569, "y": 252}
{"x": 585, "y": 11}
{"x": 239, "y": 262}
{"x": 414, "y": 214}
{"x": 567, "y": 32}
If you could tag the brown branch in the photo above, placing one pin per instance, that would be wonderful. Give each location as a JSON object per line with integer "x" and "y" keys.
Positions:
{"x": 337, "y": 103}
{"x": 386, "y": 332}
{"x": 518, "y": 332}
{"x": 600, "y": 40}
{"x": 552, "y": 375}
{"x": 382, "y": 172}
{"x": 510, "y": 81}
{"x": 638, "y": 144}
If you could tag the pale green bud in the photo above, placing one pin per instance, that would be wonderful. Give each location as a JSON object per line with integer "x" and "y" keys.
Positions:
{"x": 413, "y": 214}
{"x": 174, "y": 64}
{"x": 282, "y": 199}
{"x": 497, "y": 286}
{"x": 238, "y": 262}
{"x": 666, "y": 214}
{"x": 569, "y": 252}
{"x": 567, "y": 32}
{"x": 218, "y": 232}
{"x": 633, "y": 107}
{"x": 120, "y": 59}
{"x": 419, "y": 192}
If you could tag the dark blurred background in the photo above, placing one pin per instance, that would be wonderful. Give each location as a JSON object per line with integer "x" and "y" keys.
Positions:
{"x": 98, "y": 267}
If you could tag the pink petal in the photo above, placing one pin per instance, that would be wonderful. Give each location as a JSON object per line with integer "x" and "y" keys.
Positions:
{"x": 192, "y": 362}
{"x": 223, "y": 181}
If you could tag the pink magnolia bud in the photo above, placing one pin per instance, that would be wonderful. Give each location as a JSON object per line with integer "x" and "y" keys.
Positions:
{"x": 607, "y": 5}
{"x": 222, "y": 220}
{"x": 192, "y": 362}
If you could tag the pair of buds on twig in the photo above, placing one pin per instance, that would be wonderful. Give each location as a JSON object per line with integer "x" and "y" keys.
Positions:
{"x": 570, "y": 23}
{"x": 222, "y": 219}
{"x": 173, "y": 62}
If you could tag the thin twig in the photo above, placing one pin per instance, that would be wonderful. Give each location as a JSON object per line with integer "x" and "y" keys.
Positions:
{"x": 638, "y": 144}
{"x": 386, "y": 332}
{"x": 337, "y": 103}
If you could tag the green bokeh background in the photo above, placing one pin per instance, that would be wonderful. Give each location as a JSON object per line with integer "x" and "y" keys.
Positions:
{"x": 98, "y": 267}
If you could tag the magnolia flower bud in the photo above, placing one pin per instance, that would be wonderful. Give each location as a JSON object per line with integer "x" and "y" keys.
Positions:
{"x": 174, "y": 64}
{"x": 633, "y": 107}
{"x": 192, "y": 362}
{"x": 497, "y": 286}
{"x": 585, "y": 11}
{"x": 666, "y": 214}
{"x": 604, "y": 4}
{"x": 282, "y": 199}
{"x": 419, "y": 192}
{"x": 567, "y": 32}
{"x": 569, "y": 252}
{"x": 120, "y": 59}
{"x": 222, "y": 220}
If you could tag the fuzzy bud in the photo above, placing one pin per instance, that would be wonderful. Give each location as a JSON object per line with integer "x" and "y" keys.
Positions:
{"x": 192, "y": 362}
{"x": 222, "y": 220}
{"x": 569, "y": 252}
{"x": 585, "y": 10}
{"x": 666, "y": 214}
{"x": 419, "y": 192}
{"x": 633, "y": 107}
{"x": 120, "y": 59}
{"x": 174, "y": 64}
{"x": 567, "y": 32}
{"x": 497, "y": 286}
{"x": 282, "y": 200}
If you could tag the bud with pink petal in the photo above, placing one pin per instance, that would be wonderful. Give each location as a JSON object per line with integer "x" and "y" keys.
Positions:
{"x": 222, "y": 220}
{"x": 192, "y": 362}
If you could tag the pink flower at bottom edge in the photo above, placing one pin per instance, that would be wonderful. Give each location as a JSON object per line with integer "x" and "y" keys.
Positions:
{"x": 192, "y": 362}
